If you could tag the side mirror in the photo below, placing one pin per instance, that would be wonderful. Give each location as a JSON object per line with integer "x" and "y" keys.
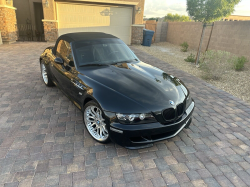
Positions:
{"x": 58, "y": 60}
{"x": 71, "y": 63}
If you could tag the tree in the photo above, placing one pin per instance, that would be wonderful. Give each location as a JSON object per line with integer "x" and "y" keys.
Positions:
{"x": 176, "y": 18}
{"x": 153, "y": 19}
{"x": 208, "y": 11}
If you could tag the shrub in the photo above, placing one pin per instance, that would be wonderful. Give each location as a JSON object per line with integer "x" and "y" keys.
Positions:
{"x": 184, "y": 46}
{"x": 239, "y": 62}
{"x": 215, "y": 64}
{"x": 190, "y": 58}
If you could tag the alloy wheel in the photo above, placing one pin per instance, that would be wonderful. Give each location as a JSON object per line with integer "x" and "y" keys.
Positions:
{"x": 44, "y": 73}
{"x": 95, "y": 123}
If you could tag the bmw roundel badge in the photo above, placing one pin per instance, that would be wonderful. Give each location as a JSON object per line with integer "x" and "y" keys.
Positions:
{"x": 171, "y": 102}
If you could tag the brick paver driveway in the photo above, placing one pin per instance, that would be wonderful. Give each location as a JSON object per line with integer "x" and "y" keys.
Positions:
{"x": 43, "y": 141}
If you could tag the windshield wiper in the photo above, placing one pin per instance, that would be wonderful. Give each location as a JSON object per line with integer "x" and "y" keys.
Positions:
{"x": 125, "y": 61}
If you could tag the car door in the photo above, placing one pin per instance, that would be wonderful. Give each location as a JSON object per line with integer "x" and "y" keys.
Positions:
{"x": 62, "y": 72}
{"x": 72, "y": 76}
{"x": 75, "y": 87}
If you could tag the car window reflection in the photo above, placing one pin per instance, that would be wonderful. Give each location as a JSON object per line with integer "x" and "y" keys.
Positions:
{"x": 102, "y": 52}
{"x": 171, "y": 79}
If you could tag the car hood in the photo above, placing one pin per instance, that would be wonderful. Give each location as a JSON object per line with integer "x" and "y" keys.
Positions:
{"x": 146, "y": 85}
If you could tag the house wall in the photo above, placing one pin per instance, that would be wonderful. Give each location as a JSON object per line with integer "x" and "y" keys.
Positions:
{"x": 23, "y": 11}
{"x": 137, "y": 34}
{"x": 38, "y": 17}
{"x": 26, "y": 10}
{"x": 3, "y": 2}
{"x": 8, "y": 23}
{"x": 51, "y": 25}
{"x": 233, "y": 37}
{"x": 50, "y": 12}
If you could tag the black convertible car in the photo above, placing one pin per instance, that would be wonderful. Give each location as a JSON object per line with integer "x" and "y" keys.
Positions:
{"x": 122, "y": 99}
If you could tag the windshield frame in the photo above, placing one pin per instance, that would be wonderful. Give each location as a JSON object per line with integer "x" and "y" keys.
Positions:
{"x": 102, "y": 41}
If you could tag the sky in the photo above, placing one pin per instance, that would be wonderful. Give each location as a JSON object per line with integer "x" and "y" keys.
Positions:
{"x": 160, "y": 8}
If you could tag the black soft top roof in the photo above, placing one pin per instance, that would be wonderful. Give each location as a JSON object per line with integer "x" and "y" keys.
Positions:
{"x": 79, "y": 36}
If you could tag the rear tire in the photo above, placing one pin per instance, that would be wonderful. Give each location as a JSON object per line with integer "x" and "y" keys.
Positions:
{"x": 45, "y": 76}
{"x": 93, "y": 118}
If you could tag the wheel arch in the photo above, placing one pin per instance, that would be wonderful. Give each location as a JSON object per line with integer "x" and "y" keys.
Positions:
{"x": 90, "y": 98}
{"x": 87, "y": 99}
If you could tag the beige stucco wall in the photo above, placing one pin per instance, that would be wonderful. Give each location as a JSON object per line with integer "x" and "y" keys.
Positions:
{"x": 190, "y": 32}
{"x": 8, "y": 24}
{"x": 232, "y": 36}
{"x": 50, "y": 12}
{"x": 25, "y": 10}
{"x": 2, "y": 2}
{"x": 228, "y": 36}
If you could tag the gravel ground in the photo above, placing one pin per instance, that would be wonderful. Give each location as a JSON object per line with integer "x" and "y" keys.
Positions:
{"x": 235, "y": 83}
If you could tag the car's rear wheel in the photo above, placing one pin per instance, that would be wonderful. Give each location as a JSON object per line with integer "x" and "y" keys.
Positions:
{"x": 95, "y": 123}
{"x": 45, "y": 76}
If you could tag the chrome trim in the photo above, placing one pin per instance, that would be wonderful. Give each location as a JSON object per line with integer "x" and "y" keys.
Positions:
{"x": 95, "y": 123}
{"x": 190, "y": 108}
{"x": 44, "y": 74}
{"x": 177, "y": 131}
{"x": 116, "y": 130}
{"x": 77, "y": 84}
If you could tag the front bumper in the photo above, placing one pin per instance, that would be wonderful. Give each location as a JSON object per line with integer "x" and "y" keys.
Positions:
{"x": 144, "y": 135}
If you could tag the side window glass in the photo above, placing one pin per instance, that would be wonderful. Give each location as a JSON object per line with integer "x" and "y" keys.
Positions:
{"x": 64, "y": 51}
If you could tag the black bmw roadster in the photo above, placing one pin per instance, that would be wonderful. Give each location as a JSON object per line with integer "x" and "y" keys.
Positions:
{"x": 122, "y": 98}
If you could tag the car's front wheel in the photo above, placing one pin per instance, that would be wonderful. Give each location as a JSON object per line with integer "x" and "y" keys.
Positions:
{"x": 45, "y": 76}
{"x": 95, "y": 123}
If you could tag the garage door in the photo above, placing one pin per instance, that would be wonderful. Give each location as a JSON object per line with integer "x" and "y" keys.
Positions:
{"x": 95, "y": 18}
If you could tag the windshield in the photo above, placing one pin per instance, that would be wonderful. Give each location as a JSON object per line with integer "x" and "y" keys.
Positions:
{"x": 102, "y": 52}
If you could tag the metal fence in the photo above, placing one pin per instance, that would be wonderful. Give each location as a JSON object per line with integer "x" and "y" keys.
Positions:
{"x": 28, "y": 32}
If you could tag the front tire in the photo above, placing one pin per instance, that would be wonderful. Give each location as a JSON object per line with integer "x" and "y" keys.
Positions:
{"x": 95, "y": 122}
{"x": 45, "y": 76}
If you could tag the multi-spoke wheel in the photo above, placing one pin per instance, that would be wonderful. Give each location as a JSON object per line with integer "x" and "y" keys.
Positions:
{"x": 95, "y": 123}
{"x": 46, "y": 79}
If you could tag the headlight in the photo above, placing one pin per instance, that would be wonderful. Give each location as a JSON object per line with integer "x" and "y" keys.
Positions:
{"x": 135, "y": 118}
{"x": 188, "y": 101}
